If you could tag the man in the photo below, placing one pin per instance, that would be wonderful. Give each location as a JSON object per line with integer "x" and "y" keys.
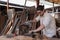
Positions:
{"x": 47, "y": 22}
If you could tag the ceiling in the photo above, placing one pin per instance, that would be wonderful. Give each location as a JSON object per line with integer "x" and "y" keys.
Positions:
{"x": 30, "y": 3}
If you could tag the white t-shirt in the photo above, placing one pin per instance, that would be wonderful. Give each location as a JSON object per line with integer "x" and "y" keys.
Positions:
{"x": 49, "y": 23}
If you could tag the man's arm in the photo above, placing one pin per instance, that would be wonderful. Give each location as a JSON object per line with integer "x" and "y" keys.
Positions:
{"x": 44, "y": 24}
{"x": 39, "y": 28}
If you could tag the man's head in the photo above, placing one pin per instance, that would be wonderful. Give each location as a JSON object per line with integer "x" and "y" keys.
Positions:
{"x": 40, "y": 10}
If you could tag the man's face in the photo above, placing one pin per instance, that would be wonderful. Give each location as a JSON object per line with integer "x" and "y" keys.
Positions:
{"x": 41, "y": 13}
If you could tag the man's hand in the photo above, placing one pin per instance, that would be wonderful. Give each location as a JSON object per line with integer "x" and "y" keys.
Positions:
{"x": 32, "y": 31}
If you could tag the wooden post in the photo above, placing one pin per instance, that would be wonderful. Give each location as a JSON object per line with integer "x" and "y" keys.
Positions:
{"x": 24, "y": 6}
{"x": 53, "y": 7}
{"x": 37, "y": 2}
{"x": 7, "y": 5}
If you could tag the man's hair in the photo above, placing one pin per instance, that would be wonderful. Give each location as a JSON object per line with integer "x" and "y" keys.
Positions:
{"x": 40, "y": 7}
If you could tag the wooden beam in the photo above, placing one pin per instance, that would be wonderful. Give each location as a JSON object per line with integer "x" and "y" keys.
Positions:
{"x": 55, "y": 1}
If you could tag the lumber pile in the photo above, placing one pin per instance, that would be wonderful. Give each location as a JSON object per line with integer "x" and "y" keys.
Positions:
{"x": 15, "y": 19}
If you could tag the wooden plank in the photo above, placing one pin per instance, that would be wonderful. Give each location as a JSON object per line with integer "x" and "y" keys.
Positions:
{"x": 24, "y": 38}
{"x": 7, "y": 28}
{"x": 14, "y": 25}
{"x": 4, "y": 27}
